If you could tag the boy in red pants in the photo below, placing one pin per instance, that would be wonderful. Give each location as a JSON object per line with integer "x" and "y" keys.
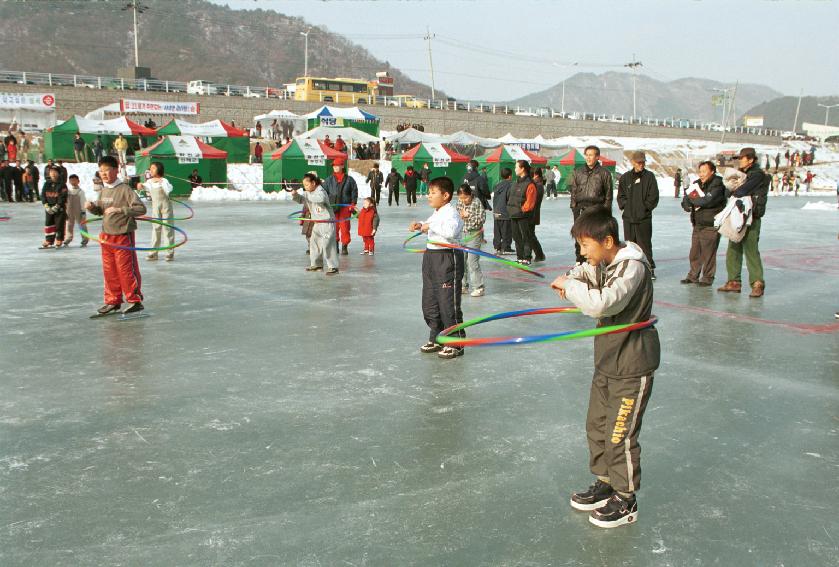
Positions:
{"x": 368, "y": 224}
{"x": 118, "y": 205}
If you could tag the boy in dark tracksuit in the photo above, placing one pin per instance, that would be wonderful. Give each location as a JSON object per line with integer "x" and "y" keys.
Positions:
{"x": 442, "y": 268}
{"x": 614, "y": 286}
{"x": 54, "y": 196}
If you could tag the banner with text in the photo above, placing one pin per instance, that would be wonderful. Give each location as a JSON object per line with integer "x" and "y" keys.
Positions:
{"x": 157, "y": 107}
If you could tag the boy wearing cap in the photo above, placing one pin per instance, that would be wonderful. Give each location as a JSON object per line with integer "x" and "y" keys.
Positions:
{"x": 637, "y": 197}
{"x": 342, "y": 190}
{"x": 755, "y": 186}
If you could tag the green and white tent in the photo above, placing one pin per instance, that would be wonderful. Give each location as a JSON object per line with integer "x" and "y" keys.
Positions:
{"x": 297, "y": 158}
{"x": 179, "y": 156}
{"x": 216, "y": 133}
{"x": 58, "y": 140}
{"x": 332, "y": 116}
{"x": 507, "y": 156}
{"x": 570, "y": 161}
{"x": 442, "y": 161}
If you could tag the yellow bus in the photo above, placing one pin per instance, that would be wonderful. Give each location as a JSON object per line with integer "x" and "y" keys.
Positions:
{"x": 340, "y": 90}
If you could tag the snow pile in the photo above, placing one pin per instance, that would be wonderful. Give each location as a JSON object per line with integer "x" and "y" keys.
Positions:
{"x": 244, "y": 176}
{"x": 248, "y": 193}
{"x": 820, "y": 206}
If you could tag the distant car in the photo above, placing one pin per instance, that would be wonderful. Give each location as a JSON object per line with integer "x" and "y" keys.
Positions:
{"x": 250, "y": 94}
{"x": 524, "y": 113}
{"x": 201, "y": 87}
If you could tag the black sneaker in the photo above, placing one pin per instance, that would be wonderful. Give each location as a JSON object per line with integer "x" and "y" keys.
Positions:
{"x": 133, "y": 308}
{"x": 314, "y": 268}
{"x": 344, "y": 250}
{"x": 617, "y": 512}
{"x": 106, "y": 309}
{"x": 687, "y": 281}
{"x": 430, "y": 347}
{"x": 332, "y": 272}
{"x": 596, "y": 496}
{"x": 450, "y": 352}
{"x": 652, "y": 274}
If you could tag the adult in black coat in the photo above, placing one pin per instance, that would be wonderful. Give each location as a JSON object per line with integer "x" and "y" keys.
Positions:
{"x": 637, "y": 197}
{"x": 704, "y": 199}
{"x": 502, "y": 225}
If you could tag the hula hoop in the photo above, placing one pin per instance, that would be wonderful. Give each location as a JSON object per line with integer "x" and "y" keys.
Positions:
{"x": 444, "y": 337}
{"x": 476, "y": 234}
{"x": 466, "y": 249}
{"x": 298, "y": 216}
{"x": 172, "y": 219}
{"x": 86, "y": 234}
{"x": 5, "y": 218}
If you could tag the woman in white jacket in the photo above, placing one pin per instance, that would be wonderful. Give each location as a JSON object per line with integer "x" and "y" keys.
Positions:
{"x": 158, "y": 188}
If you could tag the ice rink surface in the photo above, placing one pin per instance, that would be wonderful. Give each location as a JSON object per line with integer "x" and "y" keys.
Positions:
{"x": 267, "y": 416}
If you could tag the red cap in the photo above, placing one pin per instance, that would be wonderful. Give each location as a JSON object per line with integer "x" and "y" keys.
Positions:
{"x": 339, "y": 161}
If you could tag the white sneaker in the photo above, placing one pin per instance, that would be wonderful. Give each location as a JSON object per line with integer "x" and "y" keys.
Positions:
{"x": 362, "y": 253}
{"x": 477, "y": 292}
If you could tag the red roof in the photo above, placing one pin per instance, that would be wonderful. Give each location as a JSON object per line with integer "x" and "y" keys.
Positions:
{"x": 495, "y": 156}
{"x": 571, "y": 158}
{"x": 139, "y": 130}
{"x": 207, "y": 151}
{"x": 232, "y": 131}
{"x": 455, "y": 157}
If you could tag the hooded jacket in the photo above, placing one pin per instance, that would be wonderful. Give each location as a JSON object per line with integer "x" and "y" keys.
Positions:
{"x": 499, "y": 199}
{"x": 616, "y": 294}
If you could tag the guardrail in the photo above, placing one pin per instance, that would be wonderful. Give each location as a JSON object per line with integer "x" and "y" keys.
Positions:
{"x": 209, "y": 89}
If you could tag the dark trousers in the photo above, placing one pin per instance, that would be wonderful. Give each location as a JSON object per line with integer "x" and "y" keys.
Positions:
{"x": 521, "y": 236}
{"x": 393, "y": 193}
{"x": 550, "y": 189}
{"x": 54, "y": 225}
{"x": 615, "y": 410}
{"x": 376, "y": 193}
{"x": 442, "y": 279}
{"x": 577, "y": 255}
{"x": 19, "y": 193}
{"x": 502, "y": 234}
{"x": 641, "y": 233}
{"x": 703, "y": 254}
{"x": 411, "y": 196}
{"x": 6, "y": 190}
{"x": 535, "y": 245}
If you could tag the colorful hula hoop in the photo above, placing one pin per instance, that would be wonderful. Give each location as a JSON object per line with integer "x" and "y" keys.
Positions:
{"x": 173, "y": 219}
{"x": 136, "y": 248}
{"x": 473, "y": 236}
{"x": 5, "y": 218}
{"x": 298, "y": 216}
{"x": 444, "y": 337}
{"x": 466, "y": 249}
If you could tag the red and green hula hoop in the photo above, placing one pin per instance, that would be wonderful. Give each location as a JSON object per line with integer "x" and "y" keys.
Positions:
{"x": 445, "y": 338}
{"x": 468, "y": 250}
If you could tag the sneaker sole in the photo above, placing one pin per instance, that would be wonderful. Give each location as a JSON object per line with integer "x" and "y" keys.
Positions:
{"x": 588, "y": 507}
{"x": 435, "y": 351}
{"x": 628, "y": 519}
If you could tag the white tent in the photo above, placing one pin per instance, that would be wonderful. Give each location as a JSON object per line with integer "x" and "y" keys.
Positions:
{"x": 464, "y": 138}
{"x": 349, "y": 135}
{"x": 413, "y": 136}
{"x": 298, "y": 122}
{"x": 353, "y": 113}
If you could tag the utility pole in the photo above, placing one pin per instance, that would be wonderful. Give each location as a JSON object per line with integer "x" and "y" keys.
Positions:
{"x": 428, "y": 37}
{"x": 134, "y": 5}
{"x": 730, "y": 111}
{"x": 562, "y": 105}
{"x": 306, "y": 52}
{"x": 827, "y": 108}
{"x": 634, "y": 65}
{"x": 797, "y": 109}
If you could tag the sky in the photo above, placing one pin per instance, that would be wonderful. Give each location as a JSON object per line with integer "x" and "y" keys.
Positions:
{"x": 501, "y": 50}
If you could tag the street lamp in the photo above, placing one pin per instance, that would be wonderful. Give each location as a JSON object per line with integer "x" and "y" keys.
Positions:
{"x": 634, "y": 65}
{"x": 827, "y": 108}
{"x": 306, "y": 53}
{"x": 136, "y": 7}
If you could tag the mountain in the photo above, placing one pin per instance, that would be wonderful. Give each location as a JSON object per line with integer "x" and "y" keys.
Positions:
{"x": 180, "y": 41}
{"x": 611, "y": 93}
{"x": 780, "y": 112}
